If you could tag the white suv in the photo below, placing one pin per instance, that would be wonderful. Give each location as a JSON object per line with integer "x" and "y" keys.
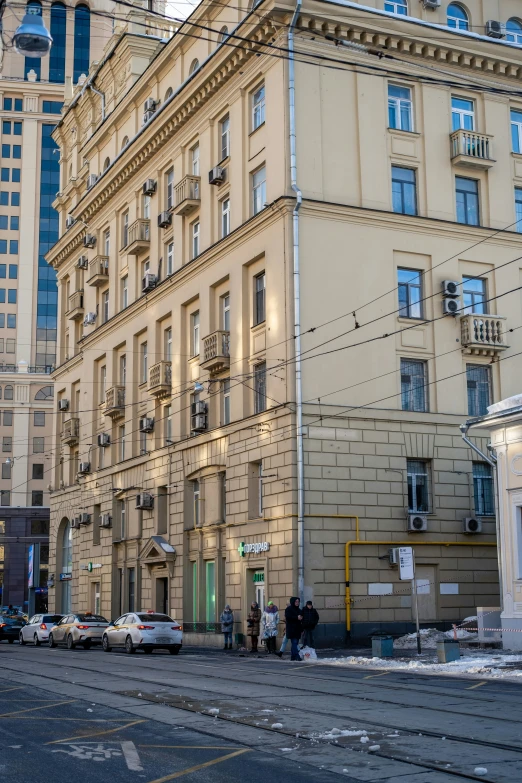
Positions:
{"x": 145, "y": 631}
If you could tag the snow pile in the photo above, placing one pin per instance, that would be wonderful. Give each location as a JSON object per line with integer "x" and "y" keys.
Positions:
{"x": 277, "y": 725}
{"x": 486, "y": 666}
{"x": 336, "y": 733}
{"x": 213, "y": 711}
{"x": 480, "y": 771}
{"x": 430, "y": 637}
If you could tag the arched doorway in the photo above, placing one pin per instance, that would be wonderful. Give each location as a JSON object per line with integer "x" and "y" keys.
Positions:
{"x": 64, "y": 563}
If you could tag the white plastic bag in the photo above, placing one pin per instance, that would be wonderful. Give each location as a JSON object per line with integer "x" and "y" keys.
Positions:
{"x": 308, "y": 654}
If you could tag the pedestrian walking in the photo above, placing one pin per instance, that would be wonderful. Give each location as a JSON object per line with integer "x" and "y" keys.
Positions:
{"x": 285, "y": 639}
{"x": 227, "y": 626}
{"x": 253, "y": 624}
{"x": 270, "y": 621}
{"x": 294, "y": 626}
{"x": 310, "y": 620}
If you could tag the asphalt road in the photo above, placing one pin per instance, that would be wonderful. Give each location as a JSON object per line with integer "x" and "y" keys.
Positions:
{"x": 224, "y": 717}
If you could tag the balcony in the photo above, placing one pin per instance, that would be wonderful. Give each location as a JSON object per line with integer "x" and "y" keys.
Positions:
{"x": 71, "y": 432}
{"x": 98, "y": 271}
{"x": 75, "y": 308}
{"x": 160, "y": 379}
{"x": 483, "y": 335}
{"x": 187, "y": 195}
{"x": 115, "y": 402}
{"x": 216, "y": 352}
{"x": 471, "y": 149}
{"x": 139, "y": 237}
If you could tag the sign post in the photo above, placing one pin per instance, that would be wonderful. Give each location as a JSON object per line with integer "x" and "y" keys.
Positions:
{"x": 407, "y": 573}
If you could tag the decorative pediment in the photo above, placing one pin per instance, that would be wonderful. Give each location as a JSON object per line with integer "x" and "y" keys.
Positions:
{"x": 157, "y": 551}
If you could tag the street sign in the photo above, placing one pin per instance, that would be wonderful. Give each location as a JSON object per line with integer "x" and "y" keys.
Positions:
{"x": 406, "y": 567}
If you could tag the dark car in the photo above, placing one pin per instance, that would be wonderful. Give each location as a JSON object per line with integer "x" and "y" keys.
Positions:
{"x": 10, "y": 628}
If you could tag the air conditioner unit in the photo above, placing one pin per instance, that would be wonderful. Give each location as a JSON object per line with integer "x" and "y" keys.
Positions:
{"x": 91, "y": 181}
{"x": 69, "y": 221}
{"x": 104, "y": 440}
{"x": 89, "y": 319}
{"x": 149, "y": 282}
{"x": 199, "y": 423}
{"x": 83, "y": 262}
{"x": 150, "y": 105}
{"x": 450, "y": 288}
{"x": 431, "y": 4}
{"x": 147, "y": 424}
{"x": 417, "y": 523}
{"x": 89, "y": 240}
{"x": 164, "y": 219}
{"x": 85, "y": 467}
{"x": 472, "y": 525}
{"x": 495, "y": 29}
{"x": 75, "y": 524}
{"x": 393, "y": 555}
{"x": 85, "y": 519}
{"x": 198, "y": 408}
{"x": 216, "y": 175}
{"x": 63, "y": 405}
{"x": 149, "y": 187}
{"x": 105, "y": 520}
{"x": 451, "y": 306}
{"x": 144, "y": 501}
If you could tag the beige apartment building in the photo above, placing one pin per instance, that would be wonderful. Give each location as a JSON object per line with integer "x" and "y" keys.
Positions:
{"x": 197, "y": 252}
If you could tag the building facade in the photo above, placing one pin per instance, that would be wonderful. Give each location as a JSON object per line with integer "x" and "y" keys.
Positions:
{"x": 178, "y": 314}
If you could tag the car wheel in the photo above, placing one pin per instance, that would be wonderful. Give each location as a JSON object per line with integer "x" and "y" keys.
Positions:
{"x": 87, "y": 645}
{"x": 21, "y": 639}
{"x": 105, "y": 644}
{"x": 36, "y": 640}
{"x": 71, "y": 644}
{"x": 147, "y": 650}
{"x": 173, "y": 650}
{"x": 51, "y": 641}
{"x": 129, "y": 647}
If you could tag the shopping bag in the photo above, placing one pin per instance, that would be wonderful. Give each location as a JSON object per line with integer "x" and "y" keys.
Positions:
{"x": 308, "y": 654}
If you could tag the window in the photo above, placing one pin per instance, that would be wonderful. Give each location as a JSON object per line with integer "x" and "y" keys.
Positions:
{"x": 124, "y": 142}
{"x": 17, "y": 151}
{"x": 132, "y": 589}
{"x": 518, "y": 208}
{"x": 122, "y": 442}
{"x": 105, "y": 307}
{"x": 38, "y": 445}
{"x": 514, "y": 31}
{"x": 15, "y": 176}
{"x": 125, "y": 229}
{"x": 398, "y": 7}
{"x": 4, "y": 222}
{"x": 6, "y": 150}
{"x": 457, "y": 17}
{"x": 255, "y": 490}
{"x": 195, "y": 239}
{"x": 168, "y": 424}
{"x": 57, "y": 54}
{"x": 39, "y": 418}
{"x": 15, "y": 199}
{"x": 124, "y": 292}
{"x": 478, "y": 379}
{"x": 45, "y": 393}
{"x": 195, "y": 333}
{"x": 144, "y": 362}
{"x": 168, "y": 344}
{"x": 106, "y": 164}
{"x": 13, "y": 247}
{"x": 4, "y": 175}
{"x": 258, "y": 190}
{"x": 3, "y": 270}
{"x": 6, "y": 127}
{"x": 82, "y": 35}
{"x": 258, "y": 107}
{"x": 170, "y": 258}
{"x": 226, "y": 400}
{"x": 413, "y": 385}
{"x": 10, "y": 347}
{"x": 38, "y": 471}
{"x": 4, "y": 198}
{"x": 516, "y": 130}
{"x": 400, "y": 114}
{"x": 123, "y": 526}
{"x": 194, "y": 65}
{"x": 224, "y": 131}
{"x": 8, "y": 418}
{"x": 474, "y": 295}
{"x": 404, "y": 196}
{"x": 259, "y": 298}
{"x": 483, "y": 489}
{"x": 410, "y": 293}
{"x": 462, "y": 114}
{"x": 5, "y": 498}
{"x": 51, "y": 107}
{"x": 418, "y": 486}
{"x": 107, "y": 242}
{"x": 223, "y": 34}
{"x": 225, "y": 312}
{"x": 7, "y": 443}
{"x": 2, "y": 320}
{"x": 466, "y": 191}
{"x": 13, "y": 272}
{"x": 123, "y": 370}
{"x": 194, "y": 153}
{"x": 6, "y": 470}
{"x": 17, "y": 128}
{"x": 260, "y": 387}
{"x": 103, "y": 382}
{"x": 170, "y": 189}
{"x": 14, "y": 223}
{"x": 3, "y": 246}
{"x": 37, "y": 497}
{"x": 225, "y": 217}
{"x": 196, "y": 502}
{"x": 146, "y": 206}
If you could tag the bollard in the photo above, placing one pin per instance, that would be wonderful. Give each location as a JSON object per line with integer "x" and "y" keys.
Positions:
{"x": 448, "y": 650}
{"x": 382, "y": 646}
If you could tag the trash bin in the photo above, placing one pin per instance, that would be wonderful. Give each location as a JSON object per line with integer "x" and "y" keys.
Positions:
{"x": 448, "y": 650}
{"x": 382, "y": 646}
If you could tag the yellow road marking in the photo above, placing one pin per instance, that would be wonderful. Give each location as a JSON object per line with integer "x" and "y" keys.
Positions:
{"x": 20, "y": 688}
{"x": 199, "y": 766}
{"x": 371, "y": 676}
{"x": 32, "y": 709}
{"x": 477, "y": 685}
{"x": 200, "y": 747}
{"x": 97, "y": 733}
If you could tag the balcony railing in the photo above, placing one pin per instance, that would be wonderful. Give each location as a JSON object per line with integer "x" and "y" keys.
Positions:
{"x": 98, "y": 271}
{"x": 483, "y": 335}
{"x": 216, "y": 352}
{"x": 115, "y": 402}
{"x": 187, "y": 195}
{"x": 160, "y": 379}
{"x": 71, "y": 431}
{"x": 471, "y": 149}
{"x": 75, "y": 306}
{"x": 139, "y": 237}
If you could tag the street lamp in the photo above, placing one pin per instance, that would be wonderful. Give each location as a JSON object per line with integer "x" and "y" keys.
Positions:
{"x": 32, "y": 38}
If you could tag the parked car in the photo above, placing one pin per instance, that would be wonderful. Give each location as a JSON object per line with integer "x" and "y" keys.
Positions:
{"x": 84, "y": 628}
{"x": 145, "y": 631}
{"x": 38, "y": 628}
{"x": 10, "y": 627}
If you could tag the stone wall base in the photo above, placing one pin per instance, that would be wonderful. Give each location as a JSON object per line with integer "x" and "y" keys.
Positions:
{"x": 511, "y": 639}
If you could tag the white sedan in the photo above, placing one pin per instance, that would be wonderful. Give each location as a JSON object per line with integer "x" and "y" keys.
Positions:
{"x": 145, "y": 631}
{"x": 37, "y": 629}
{"x": 85, "y": 629}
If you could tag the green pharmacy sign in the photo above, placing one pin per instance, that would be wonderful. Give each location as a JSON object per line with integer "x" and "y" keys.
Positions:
{"x": 253, "y": 549}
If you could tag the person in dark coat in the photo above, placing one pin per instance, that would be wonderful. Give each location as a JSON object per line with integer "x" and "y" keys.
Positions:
{"x": 310, "y": 620}
{"x": 253, "y": 624}
{"x": 227, "y": 626}
{"x": 294, "y": 626}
